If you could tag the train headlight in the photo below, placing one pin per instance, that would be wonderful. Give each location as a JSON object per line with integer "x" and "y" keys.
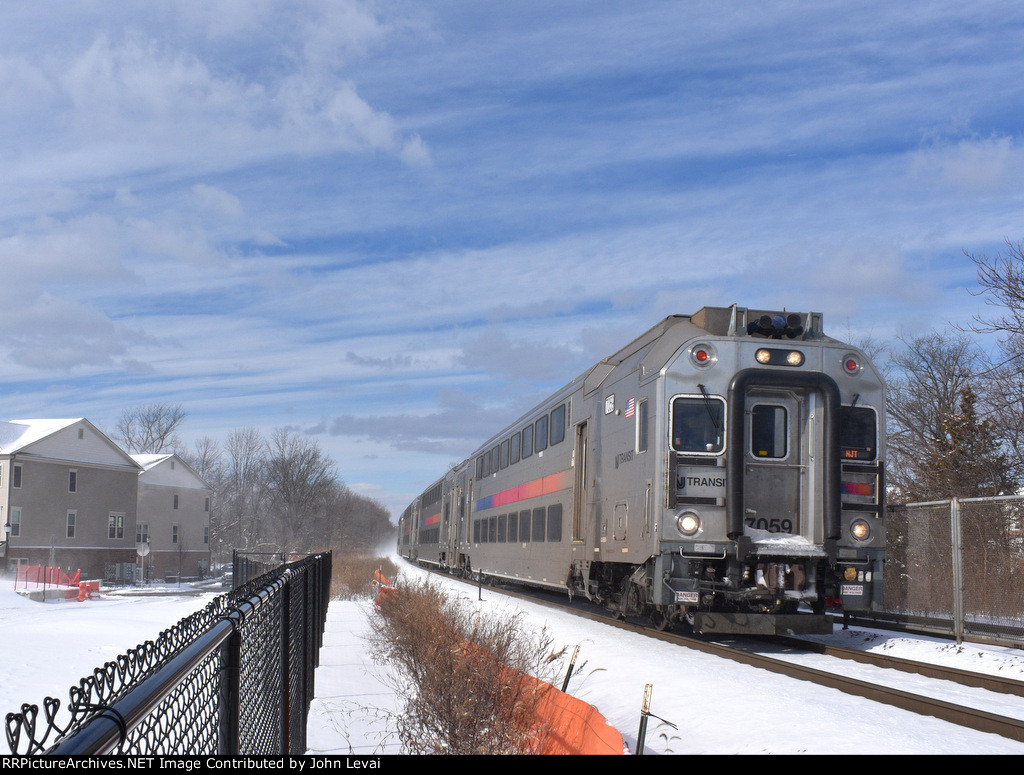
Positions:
{"x": 860, "y": 530}
{"x": 688, "y": 523}
{"x": 778, "y": 357}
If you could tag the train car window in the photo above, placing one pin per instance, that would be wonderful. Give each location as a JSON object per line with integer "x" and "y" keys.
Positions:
{"x": 540, "y": 435}
{"x": 557, "y": 424}
{"x": 515, "y": 448}
{"x": 555, "y": 522}
{"x": 501, "y": 528}
{"x": 641, "y": 427}
{"x": 858, "y": 433}
{"x": 698, "y": 424}
{"x": 504, "y": 454}
{"x": 527, "y": 441}
{"x": 524, "y": 526}
{"x": 538, "y": 525}
{"x": 476, "y": 531}
{"x": 492, "y": 530}
{"x": 513, "y": 528}
{"x": 480, "y": 467}
{"x": 495, "y": 458}
{"x": 768, "y": 436}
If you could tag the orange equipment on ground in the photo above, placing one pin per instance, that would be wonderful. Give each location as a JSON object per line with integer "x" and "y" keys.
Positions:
{"x": 88, "y": 590}
{"x": 384, "y": 586}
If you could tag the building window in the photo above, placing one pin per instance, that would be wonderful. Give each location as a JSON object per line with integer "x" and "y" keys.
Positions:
{"x": 15, "y": 522}
{"x": 206, "y": 535}
{"x": 175, "y": 500}
{"x": 115, "y": 526}
{"x": 16, "y": 476}
{"x": 81, "y": 433}
{"x": 206, "y": 505}
{"x": 72, "y": 480}
{"x": 174, "y": 534}
{"x": 141, "y": 533}
{"x": 71, "y": 523}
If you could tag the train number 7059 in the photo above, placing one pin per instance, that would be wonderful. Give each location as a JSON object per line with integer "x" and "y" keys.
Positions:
{"x": 773, "y": 525}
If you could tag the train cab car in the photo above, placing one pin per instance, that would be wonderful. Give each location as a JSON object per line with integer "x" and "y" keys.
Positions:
{"x": 725, "y": 471}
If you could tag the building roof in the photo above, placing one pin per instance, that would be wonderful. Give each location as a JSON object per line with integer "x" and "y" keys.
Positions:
{"x": 49, "y": 438}
{"x": 15, "y": 435}
{"x": 149, "y": 462}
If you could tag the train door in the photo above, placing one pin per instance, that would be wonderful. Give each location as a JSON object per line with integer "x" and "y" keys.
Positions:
{"x": 776, "y": 455}
{"x": 579, "y": 504}
{"x": 447, "y": 532}
{"x": 458, "y": 527}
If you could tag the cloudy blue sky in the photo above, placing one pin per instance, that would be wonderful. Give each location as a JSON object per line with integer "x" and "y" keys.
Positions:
{"x": 396, "y": 224}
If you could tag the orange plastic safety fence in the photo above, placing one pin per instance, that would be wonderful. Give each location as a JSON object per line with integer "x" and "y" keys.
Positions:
{"x": 565, "y": 725}
{"x": 44, "y": 574}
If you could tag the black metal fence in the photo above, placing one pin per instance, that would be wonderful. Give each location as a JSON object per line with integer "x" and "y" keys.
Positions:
{"x": 233, "y": 679}
{"x": 957, "y": 566}
{"x": 245, "y": 566}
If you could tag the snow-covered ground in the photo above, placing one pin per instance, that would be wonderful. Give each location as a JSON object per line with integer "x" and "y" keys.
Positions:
{"x": 45, "y": 648}
{"x": 722, "y": 707}
{"x": 717, "y": 706}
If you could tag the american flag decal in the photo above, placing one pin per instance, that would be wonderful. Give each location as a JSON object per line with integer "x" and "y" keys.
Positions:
{"x": 631, "y": 407}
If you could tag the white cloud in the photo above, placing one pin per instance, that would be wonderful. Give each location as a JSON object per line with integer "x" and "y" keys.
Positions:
{"x": 975, "y": 165}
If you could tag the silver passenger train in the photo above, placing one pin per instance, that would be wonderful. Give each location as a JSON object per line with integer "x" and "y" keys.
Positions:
{"x": 724, "y": 471}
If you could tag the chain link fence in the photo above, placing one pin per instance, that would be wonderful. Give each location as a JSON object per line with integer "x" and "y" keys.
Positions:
{"x": 957, "y": 566}
{"x": 233, "y": 679}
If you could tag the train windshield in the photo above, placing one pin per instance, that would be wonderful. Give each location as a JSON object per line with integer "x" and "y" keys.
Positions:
{"x": 858, "y": 433}
{"x": 698, "y": 424}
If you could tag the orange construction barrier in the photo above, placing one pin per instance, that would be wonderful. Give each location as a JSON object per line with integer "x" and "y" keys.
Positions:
{"x": 384, "y": 586}
{"x": 88, "y": 590}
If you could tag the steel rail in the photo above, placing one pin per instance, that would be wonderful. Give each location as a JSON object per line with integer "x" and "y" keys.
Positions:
{"x": 973, "y": 679}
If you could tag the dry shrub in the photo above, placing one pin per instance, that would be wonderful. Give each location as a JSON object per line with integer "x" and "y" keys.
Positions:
{"x": 352, "y": 575}
{"x": 461, "y": 674}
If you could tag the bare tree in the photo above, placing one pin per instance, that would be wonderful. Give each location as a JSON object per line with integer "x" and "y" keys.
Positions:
{"x": 925, "y": 381}
{"x": 358, "y": 524}
{"x": 244, "y": 474}
{"x": 206, "y": 459}
{"x": 151, "y": 429}
{"x": 1002, "y": 277}
{"x": 301, "y": 481}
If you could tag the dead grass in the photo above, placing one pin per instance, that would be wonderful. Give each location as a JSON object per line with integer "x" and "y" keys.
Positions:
{"x": 460, "y": 674}
{"x": 352, "y": 575}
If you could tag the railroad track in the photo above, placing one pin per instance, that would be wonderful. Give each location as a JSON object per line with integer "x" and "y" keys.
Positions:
{"x": 962, "y": 715}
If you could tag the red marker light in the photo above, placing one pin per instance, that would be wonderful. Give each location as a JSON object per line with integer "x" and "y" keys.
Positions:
{"x": 703, "y": 355}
